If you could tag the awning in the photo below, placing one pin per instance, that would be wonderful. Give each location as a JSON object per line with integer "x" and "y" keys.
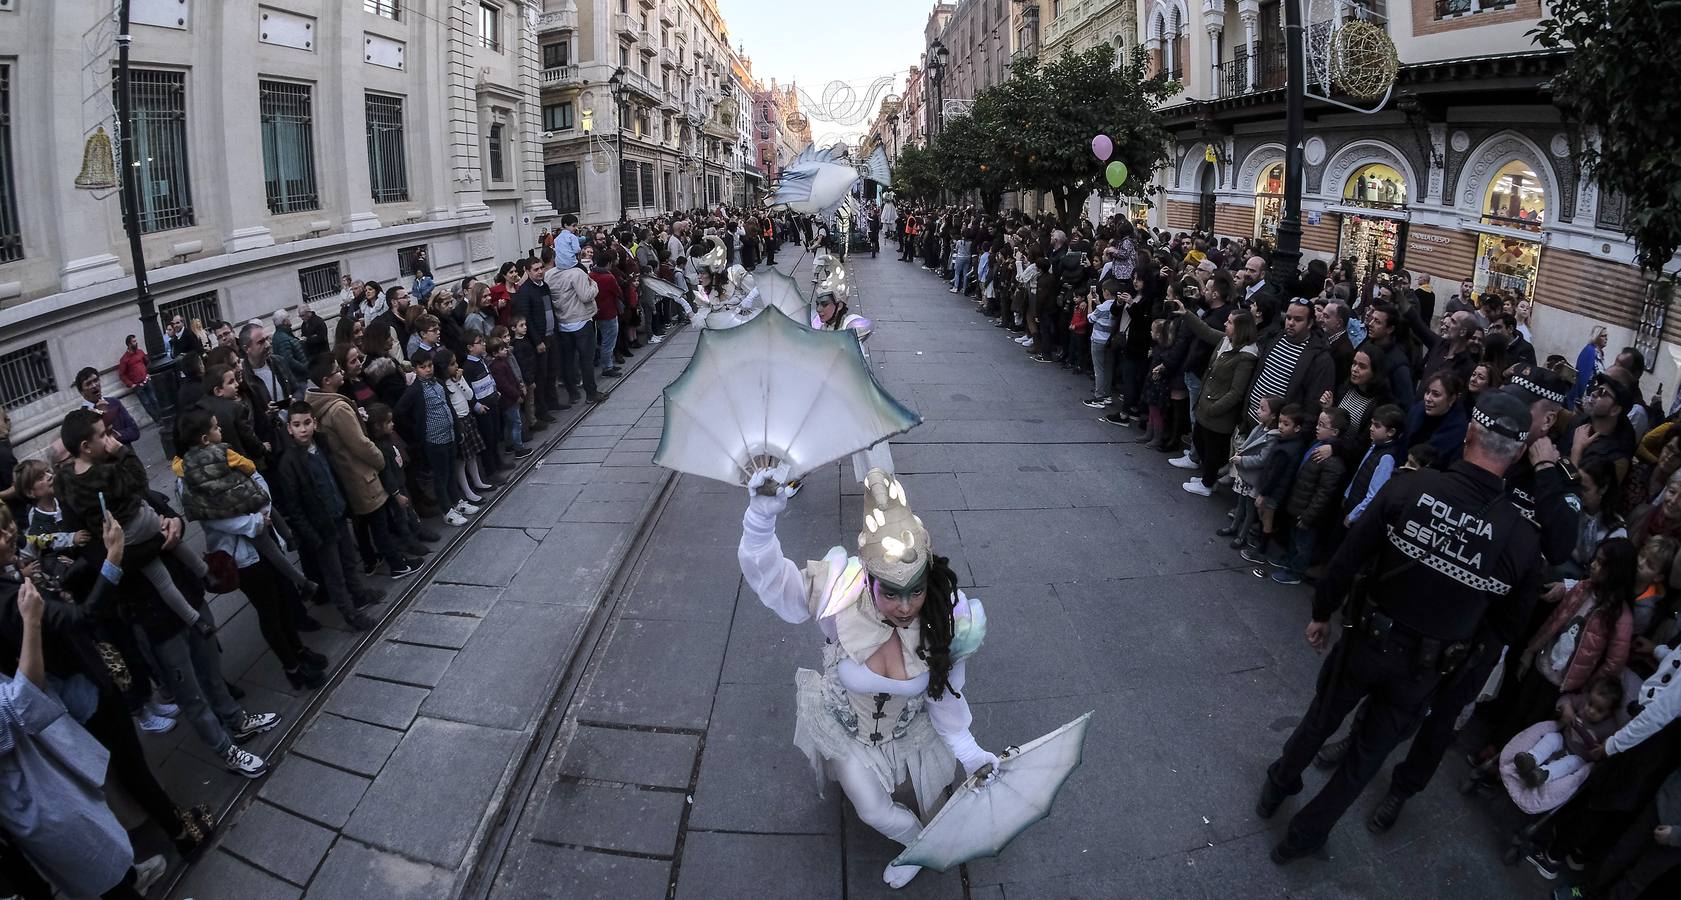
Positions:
{"x": 1344, "y": 209}
{"x": 1511, "y": 234}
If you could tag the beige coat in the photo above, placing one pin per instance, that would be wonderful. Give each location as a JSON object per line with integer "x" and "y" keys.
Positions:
{"x": 356, "y": 461}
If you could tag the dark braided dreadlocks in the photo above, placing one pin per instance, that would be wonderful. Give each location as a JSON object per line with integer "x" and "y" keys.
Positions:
{"x": 938, "y": 626}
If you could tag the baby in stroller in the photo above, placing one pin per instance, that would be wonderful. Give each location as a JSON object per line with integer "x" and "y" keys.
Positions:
{"x": 1582, "y": 726}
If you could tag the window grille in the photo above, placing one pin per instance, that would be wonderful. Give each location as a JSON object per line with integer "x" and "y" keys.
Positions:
{"x": 319, "y": 282}
{"x": 406, "y": 258}
{"x": 11, "y": 232}
{"x": 160, "y": 149}
{"x": 628, "y": 184}
{"x": 648, "y": 198}
{"x": 387, "y": 165}
{"x": 203, "y": 307}
{"x": 26, "y": 375}
{"x": 498, "y": 171}
{"x": 288, "y": 147}
{"x": 560, "y": 183}
{"x": 389, "y": 9}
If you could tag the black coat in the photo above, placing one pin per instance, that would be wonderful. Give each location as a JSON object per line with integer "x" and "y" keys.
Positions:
{"x": 300, "y": 497}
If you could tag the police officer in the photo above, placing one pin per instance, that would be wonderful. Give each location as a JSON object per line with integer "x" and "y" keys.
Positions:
{"x": 1543, "y": 489}
{"x": 1453, "y": 555}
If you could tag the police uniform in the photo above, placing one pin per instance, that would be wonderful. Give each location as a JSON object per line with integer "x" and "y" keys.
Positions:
{"x": 1546, "y": 498}
{"x": 1453, "y": 556}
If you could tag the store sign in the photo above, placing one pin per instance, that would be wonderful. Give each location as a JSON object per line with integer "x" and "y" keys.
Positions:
{"x": 1313, "y": 217}
{"x": 1426, "y": 243}
{"x": 1208, "y": 154}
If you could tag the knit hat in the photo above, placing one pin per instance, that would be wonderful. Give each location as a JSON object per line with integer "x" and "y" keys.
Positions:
{"x": 894, "y": 545}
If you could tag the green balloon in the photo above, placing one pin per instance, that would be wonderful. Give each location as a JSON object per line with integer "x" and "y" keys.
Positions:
{"x": 1116, "y": 172}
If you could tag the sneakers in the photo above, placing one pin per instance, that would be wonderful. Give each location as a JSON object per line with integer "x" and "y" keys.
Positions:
{"x": 153, "y": 724}
{"x": 1098, "y": 402}
{"x": 1254, "y": 555}
{"x": 1285, "y": 576}
{"x": 455, "y": 519}
{"x": 254, "y": 724}
{"x": 1115, "y": 418}
{"x": 159, "y": 708}
{"x": 1195, "y": 486}
{"x": 370, "y": 567}
{"x": 1544, "y": 863}
{"x": 655, "y": 339}
{"x": 243, "y": 762}
{"x": 147, "y": 872}
{"x": 1183, "y": 462}
{"x": 523, "y": 452}
{"x": 466, "y": 509}
{"x": 403, "y": 570}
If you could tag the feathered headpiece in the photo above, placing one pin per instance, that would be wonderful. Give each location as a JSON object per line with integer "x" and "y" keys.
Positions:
{"x": 894, "y": 544}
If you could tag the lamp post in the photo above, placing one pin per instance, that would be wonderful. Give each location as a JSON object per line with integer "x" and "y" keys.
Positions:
{"x": 943, "y": 54}
{"x": 1287, "y": 252}
{"x": 616, "y": 84}
{"x": 893, "y": 123}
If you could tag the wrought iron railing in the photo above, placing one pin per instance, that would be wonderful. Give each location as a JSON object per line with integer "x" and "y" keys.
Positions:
{"x": 387, "y": 162}
{"x": 160, "y": 149}
{"x": 203, "y": 307}
{"x": 319, "y": 282}
{"x": 1260, "y": 69}
{"x": 288, "y": 132}
{"x": 389, "y": 9}
{"x": 26, "y": 375}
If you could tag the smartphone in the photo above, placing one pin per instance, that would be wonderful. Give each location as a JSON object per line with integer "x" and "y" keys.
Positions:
{"x": 103, "y": 512}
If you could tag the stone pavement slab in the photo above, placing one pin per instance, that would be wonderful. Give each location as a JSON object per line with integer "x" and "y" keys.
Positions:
{"x": 278, "y": 842}
{"x": 445, "y": 631}
{"x": 491, "y": 557}
{"x": 427, "y": 802}
{"x": 547, "y": 872}
{"x": 719, "y": 865}
{"x": 502, "y": 676}
{"x": 464, "y": 599}
{"x": 623, "y": 817}
{"x": 348, "y": 744}
{"x": 220, "y": 874}
{"x": 675, "y": 694}
{"x": 316, "y": 792}
{"x": 376, "y": 702}
{"x": 534, "y": 505}
{"x": 747, "y": 760}
{"x": 631, "y": 757}
{"x": 356, "y": 870}
{"x": 411, "y": 664}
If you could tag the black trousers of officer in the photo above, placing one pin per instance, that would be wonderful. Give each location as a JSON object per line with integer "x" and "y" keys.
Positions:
{"x": 1357, "y": 668}
{"x": 1435, "y": 734}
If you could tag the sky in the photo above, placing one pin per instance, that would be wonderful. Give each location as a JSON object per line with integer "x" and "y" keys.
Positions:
{"x": 814, "y": 42}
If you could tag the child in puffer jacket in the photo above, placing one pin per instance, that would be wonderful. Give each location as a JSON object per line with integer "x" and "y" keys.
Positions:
{"x": 1278, "y": 474}
{"x": 218, "y": 483}
{"x": 1314, "y": 497}
{"x": 1246, "y": 472}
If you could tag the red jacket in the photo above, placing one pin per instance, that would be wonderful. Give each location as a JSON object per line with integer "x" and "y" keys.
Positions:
{"x": 1602, "y": 647}
{"x": 607, "y": 296}
{"x": 132, "y": 367}
{"x": 506, "y": 384}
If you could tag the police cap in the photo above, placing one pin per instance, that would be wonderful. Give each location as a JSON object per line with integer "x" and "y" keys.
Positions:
{"x": 1502, "y": 413}
{"x": 1532, "y": 384}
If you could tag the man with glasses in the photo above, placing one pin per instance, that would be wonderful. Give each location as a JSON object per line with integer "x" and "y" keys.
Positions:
{"x": 1607, "y": 434}
{"x": 1297, "y": 366}
{"x": 1388, "y": 353}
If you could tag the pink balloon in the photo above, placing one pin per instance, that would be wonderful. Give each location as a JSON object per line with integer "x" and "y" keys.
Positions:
{"x": 1102, "y": 146}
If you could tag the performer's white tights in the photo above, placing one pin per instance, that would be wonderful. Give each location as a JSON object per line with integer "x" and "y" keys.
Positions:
{"x": 875, "y": 806}
{"x": 877, "y": 810}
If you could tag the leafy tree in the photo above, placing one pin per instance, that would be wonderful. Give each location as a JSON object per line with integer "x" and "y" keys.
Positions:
{"x": 1620, "y": 79}
{"x": 915, "y": 174}
{"x": 1044, "y": 117}
{"x": 968, "y": 154}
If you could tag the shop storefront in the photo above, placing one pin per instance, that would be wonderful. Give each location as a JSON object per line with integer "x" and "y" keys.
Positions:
{"x": 1374, "y": 220}
{"x": 1509, "y": 241}
{"x": 1269, "y": 202}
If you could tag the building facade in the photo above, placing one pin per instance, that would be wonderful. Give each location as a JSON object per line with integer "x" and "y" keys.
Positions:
{"x": 279, "y": 148}
{"x": 639, "y": 103}
{"x": 1466, "y": 173}
{"x": 780, "y": 130}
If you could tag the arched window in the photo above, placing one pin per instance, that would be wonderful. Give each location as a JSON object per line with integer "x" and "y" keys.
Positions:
{"x": 1516, "y": 198}
{"x": 1175, "y": 44}
{"x": 1376, "y": 185}
{"x": 1269, "y": 201}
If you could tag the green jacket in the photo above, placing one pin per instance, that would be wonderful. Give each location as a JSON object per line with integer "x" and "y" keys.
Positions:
{"x": 1226, "y": 383}
{"x": 289, "y": 352}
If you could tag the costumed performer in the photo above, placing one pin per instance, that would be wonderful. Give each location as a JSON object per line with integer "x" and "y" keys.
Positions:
{"x": 887, "y": 706}
{"x": 744, "y": 292}
{"x": 829, "y": 311}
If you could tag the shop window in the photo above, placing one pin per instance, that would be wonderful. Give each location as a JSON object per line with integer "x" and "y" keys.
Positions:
{"x": 1269, "y": 201}
{"x": 1516, "y": 198}
{"x": 1376, "y": 185}
{"x": 1506, "y": 264}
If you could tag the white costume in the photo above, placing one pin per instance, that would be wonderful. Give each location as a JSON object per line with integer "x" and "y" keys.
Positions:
{"x": 868, "y": 732}
{"x": 879, "y": 456}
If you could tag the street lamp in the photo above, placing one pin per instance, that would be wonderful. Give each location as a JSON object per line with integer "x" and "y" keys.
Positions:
{"x": 1287, "y": 248}
{"x": 616, "y": 85}
{"x": 893, "y": 123}
{"x": 942, "y": 55}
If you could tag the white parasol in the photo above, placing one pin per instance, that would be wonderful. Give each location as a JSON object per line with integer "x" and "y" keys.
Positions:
{"x": 773, "y": 391}
{"x": 990, "y": 809}
{"x": 783, "y": 292}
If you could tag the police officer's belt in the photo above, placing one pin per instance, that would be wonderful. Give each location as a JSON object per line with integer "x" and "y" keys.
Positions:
{"x": 1428, "y": 654}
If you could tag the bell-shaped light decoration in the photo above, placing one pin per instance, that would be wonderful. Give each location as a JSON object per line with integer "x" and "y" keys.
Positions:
{"x": 99, "y": 166}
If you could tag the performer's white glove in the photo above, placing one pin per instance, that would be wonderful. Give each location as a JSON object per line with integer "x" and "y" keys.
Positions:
{"x": 762, "y": 509}
{"x": 976, "y": 762}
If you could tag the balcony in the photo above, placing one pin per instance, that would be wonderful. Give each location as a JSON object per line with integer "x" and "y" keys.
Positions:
{"x": 645, "y": 46}
{"x": 668, "y": 58}
{"x": 626, "y": 27}
{"x": 648, "y": 4}
{"x": 561, "y": 76}
{"x": 1269, "y": 72}
{"x": 558, "y": 21}
{"x": 638, "y": 83}
{"x": 672, "y": 103}
{"x": 668, "y": 14}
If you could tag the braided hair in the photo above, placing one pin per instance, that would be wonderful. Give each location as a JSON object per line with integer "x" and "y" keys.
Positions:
{"x": 938, "y": 626}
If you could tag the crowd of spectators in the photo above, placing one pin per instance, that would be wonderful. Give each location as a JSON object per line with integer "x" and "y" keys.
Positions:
{"x": 314, "y": 457}
{"x": 1296, "y": 403}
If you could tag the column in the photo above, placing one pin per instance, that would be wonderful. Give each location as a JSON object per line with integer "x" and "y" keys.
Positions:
{"x": 241, "y": 207}
{"x": 1214, "y": 22}
{"x": 341, "y": 99}
{"x": 466, "y": 169}
{"x": 1249, "y": 12}
{"x": 533, "y": 184}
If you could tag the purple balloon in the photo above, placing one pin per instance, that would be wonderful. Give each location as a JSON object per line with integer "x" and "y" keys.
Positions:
{"x": 1102, "y": 146}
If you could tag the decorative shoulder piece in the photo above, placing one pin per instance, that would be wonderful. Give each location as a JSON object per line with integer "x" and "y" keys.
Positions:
{"x": 969, "y": 627}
